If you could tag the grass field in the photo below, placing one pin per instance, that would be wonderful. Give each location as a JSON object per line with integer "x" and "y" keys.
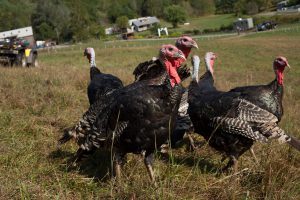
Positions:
{"x": 206, "y": 22}
{"x": 200, "y": 23}
{"x": 36, "y": 104}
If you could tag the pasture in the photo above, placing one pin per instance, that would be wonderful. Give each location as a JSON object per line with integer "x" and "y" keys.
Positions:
{"x": 37, "y": 104}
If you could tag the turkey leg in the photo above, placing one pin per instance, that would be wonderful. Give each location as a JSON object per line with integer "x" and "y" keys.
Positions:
{"x": 148, "y": 160}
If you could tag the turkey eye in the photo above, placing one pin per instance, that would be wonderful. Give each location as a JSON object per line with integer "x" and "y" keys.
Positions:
{"x": 170, "y": 49}
{"x": 185, "y": 40}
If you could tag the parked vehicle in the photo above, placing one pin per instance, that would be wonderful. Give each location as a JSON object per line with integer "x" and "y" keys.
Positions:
{"x": 16, "y": 52}
{"x": 267, "y": 25}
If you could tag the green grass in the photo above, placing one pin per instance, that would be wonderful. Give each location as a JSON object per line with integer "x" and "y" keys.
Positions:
{"x": 199, "y": 23}
{"x": 205, "y": 22}
{"x": 36, "y": 104}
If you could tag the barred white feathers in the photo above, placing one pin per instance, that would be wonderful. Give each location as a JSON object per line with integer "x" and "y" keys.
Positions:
{"x": 238, "y": 127}
{"x": 252, "y": 122}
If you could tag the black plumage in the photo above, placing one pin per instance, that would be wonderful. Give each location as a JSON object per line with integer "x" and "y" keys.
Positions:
{"x": 150, "y": 69}
{"x": 184, "y": 123}
{"x": 105, "y": 84}
{"x": 230, "y": 123}
{"x": 268, "y": 97}
{"x": 137, "y": 118}
{"x": 100, "y": 84}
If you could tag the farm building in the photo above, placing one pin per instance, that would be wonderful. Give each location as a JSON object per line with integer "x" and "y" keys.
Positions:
{"x": 143, "y": 23}
{"x": 25, "y": 33}
{"x": 243, "y": 24}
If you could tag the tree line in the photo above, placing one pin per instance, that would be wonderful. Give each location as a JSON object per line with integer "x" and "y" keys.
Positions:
{"x": 77, "y": 20}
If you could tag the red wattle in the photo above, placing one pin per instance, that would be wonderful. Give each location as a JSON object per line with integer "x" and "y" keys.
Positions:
{"x": 177, "y": 63}
{"x": 212, "y": 62}
{"x": 171, "y": 70}
{"x": 280, "y": 76}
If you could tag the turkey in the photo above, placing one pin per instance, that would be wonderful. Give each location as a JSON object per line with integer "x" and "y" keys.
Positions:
{"x": 136, "y": 118}
{"x": 268, "y": 97}
{"x": 149, "y": 69}
{"x": 230, "y": 123}
{"x": 105, "y": 84}
{"x": 101, "y": 84}
{"x": 184, "y": 124}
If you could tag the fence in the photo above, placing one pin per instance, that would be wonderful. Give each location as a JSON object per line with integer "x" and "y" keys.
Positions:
{"x": 159, "y": 41}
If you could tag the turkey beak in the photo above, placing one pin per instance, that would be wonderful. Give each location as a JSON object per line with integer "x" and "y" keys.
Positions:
{"x": 194, "y": 44}
{"x": 287, "y": 64}
{"x": 179, "y": 54}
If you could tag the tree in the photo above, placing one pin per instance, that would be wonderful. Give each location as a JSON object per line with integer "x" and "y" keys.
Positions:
{"x": 156, "y": 7}
{"x": 50, "y": 16}
{"x": 175, "y": 15}
{"x": 122, "y": 23}
{"x": 239, "y": 7}
{"x": 120, "y": 8}
{"x": 251, "y": 8}
{"x": 225, "y": 6}
{"x": 203, "y": 7}
{"x": 46, "y": 31}
{"x": 293, "y": 2}
{"x": 14, "y": 14}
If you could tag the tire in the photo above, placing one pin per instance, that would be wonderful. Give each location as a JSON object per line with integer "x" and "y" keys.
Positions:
{"x": 20, "y": 60}
{"x": 34, "y": 61}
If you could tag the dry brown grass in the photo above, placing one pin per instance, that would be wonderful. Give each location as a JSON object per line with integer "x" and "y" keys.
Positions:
{"x": 37, "y": 104}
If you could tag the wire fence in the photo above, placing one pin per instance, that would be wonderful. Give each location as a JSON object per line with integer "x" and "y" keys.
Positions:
{"x": 136, "y": 43}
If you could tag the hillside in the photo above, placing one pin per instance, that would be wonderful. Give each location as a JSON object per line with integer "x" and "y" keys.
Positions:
{"x": 79, "y": 20}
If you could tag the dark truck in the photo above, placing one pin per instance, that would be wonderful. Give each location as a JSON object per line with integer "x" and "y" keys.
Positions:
{"x": 16, "y": 52}
{"x": 267, "y": 25}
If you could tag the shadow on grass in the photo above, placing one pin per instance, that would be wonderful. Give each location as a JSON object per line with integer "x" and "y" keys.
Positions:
{"x": 96, "y": 166}
{"x": 205, "y": 165}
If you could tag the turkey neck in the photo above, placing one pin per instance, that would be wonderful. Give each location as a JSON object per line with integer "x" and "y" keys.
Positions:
{"x": 276, "y": 88}
{"x": 93, "y": 60}
{"x": 93, "y": 70}
{"x": 169, "y": 77}
{"x": 195, "y": 71}
{"x": 185, "y": 50}
{"x": 209, "y": 66}
{"x": 207, "y": 79}
{"x": 279, "y": 75}
{"x": 277, "y": 84}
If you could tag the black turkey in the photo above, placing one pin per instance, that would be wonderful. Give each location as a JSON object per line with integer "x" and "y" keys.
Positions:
{"x": 229, "y": 123}
{"x": 268, "y": 97}
{"x": 101, "y": 84}
{"x": 137, "y": 118}
{"x": 151, "y": 68}
{"x": 105, "y": 84}
{"x": 184, "y": 124}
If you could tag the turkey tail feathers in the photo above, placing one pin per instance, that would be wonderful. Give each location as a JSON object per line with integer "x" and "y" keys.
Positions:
{"x": 68, "y": 135}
